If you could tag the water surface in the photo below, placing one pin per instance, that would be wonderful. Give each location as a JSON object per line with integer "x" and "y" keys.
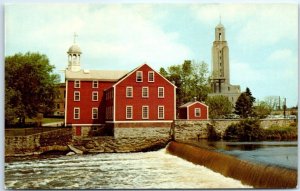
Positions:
{"x": 132, "y": 170}
{"x": 278, "y": 153}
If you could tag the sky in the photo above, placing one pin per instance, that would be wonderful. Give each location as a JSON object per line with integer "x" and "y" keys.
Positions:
{"x": 262, "y": 38}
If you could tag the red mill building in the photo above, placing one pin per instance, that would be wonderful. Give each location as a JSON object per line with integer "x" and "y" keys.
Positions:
{"x": 99, "y": 100}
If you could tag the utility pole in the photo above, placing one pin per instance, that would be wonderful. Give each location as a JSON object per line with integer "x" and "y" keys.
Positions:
{"x": 284, "y": 108}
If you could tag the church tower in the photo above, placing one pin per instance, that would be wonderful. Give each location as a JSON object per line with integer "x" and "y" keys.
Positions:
{"x": 74, "y": 53}
{"x": 220, "y": 77}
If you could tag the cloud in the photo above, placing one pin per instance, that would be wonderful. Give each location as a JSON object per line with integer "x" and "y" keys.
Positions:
{"x": 128, "y": 33}
{"x": 258, "y": 24}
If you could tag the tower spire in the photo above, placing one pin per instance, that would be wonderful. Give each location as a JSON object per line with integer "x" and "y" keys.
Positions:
{"x": 220, "y": 17}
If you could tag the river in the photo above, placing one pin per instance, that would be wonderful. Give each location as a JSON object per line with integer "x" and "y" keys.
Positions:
{"x": 277, "y": 153}
{"x": 113, "y": 171}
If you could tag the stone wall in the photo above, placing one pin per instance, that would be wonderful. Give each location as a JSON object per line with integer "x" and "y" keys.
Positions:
{"x": 126, "y": 140}
{"x": 36, "y": 143}
{"x": 193, "y": 129}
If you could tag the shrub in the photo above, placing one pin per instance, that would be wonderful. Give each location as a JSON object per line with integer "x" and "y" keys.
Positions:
{"x": 231, "y": 132}
{"x": 212, "y": 134}
{"x": 246, "y": 130}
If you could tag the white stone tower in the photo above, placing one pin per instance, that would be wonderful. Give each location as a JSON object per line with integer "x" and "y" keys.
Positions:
{"x": 220, "y": 55}
{"x": 220, "y": 77}
{"x": 74, "y": 53}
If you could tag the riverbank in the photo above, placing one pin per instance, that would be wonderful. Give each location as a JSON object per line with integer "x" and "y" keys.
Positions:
{"x": 257, "y": 175}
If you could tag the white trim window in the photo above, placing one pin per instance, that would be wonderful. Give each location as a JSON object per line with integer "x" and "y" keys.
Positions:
{"x": 94, "y": 96}
{"x": 139, "y": 76}
{"x": 129, "y": 112}
{"x": 76, "y": 96}
{"x": 197, "y": 112}
{"x": 151, "y": 76}
{"x": 145, "y": 92}
{"x": 161, "y": 112}
{"x": 129, "y": 91}
{"x": 76, "y": 113}
{"x": 161, "y": 92}
{"x": 145, "y": 112}
{"x": 77, "y": 84}
{"x": 95, "y": 84}
{"x": 94, "y": 113}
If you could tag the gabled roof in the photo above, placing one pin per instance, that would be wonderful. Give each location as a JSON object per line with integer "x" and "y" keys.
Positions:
{"x": 188, "y": 104}
{"x": 134, "y": 70}
{"x": 104, "y": 75}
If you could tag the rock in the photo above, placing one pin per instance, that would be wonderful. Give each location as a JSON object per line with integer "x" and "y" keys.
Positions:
{"x": 77, "y": 151}
{"x": 90, "y": 145}
{"x": 70, "y": 153}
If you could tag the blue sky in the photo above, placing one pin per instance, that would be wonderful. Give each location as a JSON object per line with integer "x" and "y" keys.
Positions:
{"x": 262, "y": 38}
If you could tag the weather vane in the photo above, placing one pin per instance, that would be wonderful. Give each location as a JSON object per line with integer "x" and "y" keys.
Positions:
{"x": 74, "y": 38}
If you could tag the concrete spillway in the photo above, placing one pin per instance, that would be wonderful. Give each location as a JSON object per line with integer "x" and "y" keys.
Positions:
{"x": 259, "y": 176}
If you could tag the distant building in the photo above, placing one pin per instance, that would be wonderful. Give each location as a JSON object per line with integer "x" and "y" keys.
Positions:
{"x": 59, "y": 101}
{"x": 99, "y": 100}
{"x": 193, "y": 111}
{"x": 220, "y": 77}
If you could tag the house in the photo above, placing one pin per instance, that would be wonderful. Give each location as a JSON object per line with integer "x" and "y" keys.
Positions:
{"x": 97, "y": 101}
{"x": 193, "y": 111}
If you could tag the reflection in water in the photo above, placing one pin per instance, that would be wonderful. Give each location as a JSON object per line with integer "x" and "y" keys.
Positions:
{"x": 134, "y": 170}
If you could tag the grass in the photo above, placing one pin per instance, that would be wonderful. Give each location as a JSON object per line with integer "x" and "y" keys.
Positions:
{"x": 281, "y": 133}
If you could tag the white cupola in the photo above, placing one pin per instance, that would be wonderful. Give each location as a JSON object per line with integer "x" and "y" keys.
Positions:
{"x": 74, "y": 53}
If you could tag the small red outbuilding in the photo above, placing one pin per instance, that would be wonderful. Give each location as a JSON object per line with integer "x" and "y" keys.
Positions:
{"x": 193, "y": 111}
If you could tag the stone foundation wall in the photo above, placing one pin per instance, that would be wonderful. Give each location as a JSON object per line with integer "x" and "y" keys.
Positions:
{"x": 126, "y": 140}
{"x": 193, "y": 129}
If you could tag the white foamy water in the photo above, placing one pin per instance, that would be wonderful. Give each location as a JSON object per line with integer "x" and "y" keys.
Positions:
{"x": 134, "y": 171}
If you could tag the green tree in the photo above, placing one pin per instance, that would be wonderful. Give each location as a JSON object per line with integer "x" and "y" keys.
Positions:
{"x": 29, "y": 86}
{"x": 262, "y": 110}
{"x": 191, "y": 79}
{"x": 248, "y": 92}
{"x": 219, "y": 106}
{"x": 244, "y": 104}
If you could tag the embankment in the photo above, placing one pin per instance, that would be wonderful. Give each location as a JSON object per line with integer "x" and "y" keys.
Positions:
{"x": 34, "y": 144}
{"x": 259, "y": 176}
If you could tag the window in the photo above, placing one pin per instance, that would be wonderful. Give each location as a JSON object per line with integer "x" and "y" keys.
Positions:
{"x": 151, "y": 76}
{"x": 145, "y": 112}
{"x": 145, "y": 92}
{"x": 77, "y": 84}
{"x": 129, "y": 112}
{"x": 161, "y": 112}
{"x": 161, "y": 92}
{"x": 64, "y": 93}
{"x": 139, "y": 76}
{"x": 58, "y": 106}
{"x": 76, "y": 96}
{"x": 95, "y": 84}
{"x": 197, "y": 112}
{"x": 94, "y": 113}
{"x": 129, "y": 91}
{"x": 76, "y": 113}
{"x": 94, "y": 96}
